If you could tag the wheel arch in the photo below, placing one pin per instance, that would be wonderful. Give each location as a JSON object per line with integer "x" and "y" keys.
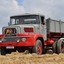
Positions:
{"x": 41, "y": 41}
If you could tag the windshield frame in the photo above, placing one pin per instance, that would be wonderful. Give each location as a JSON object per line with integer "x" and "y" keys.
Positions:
{"x": 25, "y": 17}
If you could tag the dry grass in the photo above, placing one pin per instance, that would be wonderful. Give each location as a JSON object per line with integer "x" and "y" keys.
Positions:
{"x": 22, "y": 58}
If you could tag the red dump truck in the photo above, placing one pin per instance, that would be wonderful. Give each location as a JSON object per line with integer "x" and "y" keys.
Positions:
{"x": 33, "y": 32}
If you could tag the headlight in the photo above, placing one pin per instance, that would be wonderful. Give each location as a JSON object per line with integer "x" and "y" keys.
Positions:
{"x": 18, "y": 40}
{"x": 23, "y": 39}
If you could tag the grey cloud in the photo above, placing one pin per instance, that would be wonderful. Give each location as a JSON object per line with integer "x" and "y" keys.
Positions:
{"x": 8, "y": 8}
{"x": 50, "y": 8}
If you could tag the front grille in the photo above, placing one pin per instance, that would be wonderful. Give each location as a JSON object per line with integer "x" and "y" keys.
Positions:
{"x": 10, "y": 39}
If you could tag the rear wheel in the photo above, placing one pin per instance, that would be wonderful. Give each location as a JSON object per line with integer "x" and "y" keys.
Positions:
{"x": 3, "y": 51}
{"x": 55, "y": 47}
{"x": 60, "y": 47}
{"x": 38, "y": 47}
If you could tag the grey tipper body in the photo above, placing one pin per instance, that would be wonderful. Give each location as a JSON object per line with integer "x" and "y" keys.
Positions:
{"x": 55, "y": 26}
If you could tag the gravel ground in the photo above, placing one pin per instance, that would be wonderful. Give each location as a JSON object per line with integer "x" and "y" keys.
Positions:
{"x": 23, "y": 58}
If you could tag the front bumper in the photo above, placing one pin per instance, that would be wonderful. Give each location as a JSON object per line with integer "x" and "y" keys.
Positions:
{"x": 30, "y": 40}
{"x": 16, "y": 44}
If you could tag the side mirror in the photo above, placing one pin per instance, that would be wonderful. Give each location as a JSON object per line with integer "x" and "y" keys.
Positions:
{"x": 8, "y": 23}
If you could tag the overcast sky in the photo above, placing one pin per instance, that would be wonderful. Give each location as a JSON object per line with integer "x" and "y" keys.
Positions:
{"x": 50, "y": 8}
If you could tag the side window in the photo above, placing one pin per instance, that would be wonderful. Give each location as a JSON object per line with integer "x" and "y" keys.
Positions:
{"x": 12, "y": 21}
{"x": 17, "y": 21}
{"x": 42, "y": 20}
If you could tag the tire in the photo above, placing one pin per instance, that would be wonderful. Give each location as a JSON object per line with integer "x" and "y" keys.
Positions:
{"x": 60, "y": 47}
{"x": 55, "y": 47}
{"x": 38, "y": 47}
{"x": 3, "y": 51}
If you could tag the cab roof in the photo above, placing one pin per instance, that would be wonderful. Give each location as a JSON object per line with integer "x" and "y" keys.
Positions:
{"x": 27, "y": 14}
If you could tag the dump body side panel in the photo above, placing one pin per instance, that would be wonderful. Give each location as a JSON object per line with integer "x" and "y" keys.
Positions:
{"x": 54, "y": 28}
{"x": 62, "y": 27}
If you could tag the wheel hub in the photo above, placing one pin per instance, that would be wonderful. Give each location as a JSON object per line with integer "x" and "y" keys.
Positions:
{"x": 39, "y": 49}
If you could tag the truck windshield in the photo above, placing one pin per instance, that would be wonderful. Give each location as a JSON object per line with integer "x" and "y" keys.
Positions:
{"x": 28, "y": 19}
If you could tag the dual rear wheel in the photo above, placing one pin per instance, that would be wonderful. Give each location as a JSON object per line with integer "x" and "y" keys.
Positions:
{"x": 58, "y": 46}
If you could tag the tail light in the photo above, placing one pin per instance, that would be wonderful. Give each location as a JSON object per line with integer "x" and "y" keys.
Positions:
{"x": 28, "y": 29}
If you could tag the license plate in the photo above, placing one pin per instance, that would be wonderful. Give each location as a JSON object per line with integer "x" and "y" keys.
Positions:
{"x": 10, "y": 47}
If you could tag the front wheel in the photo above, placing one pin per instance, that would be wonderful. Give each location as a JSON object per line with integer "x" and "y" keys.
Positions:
{"x": 38, "y": 47}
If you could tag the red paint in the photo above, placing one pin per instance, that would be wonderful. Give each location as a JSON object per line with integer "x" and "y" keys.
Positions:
{"x": 1, "y": 35}
{"x": 28, "y": 29}
{"x": 48, "y": 42}
{"x": 39, "y": 49}
{"x": 30, "y": 40}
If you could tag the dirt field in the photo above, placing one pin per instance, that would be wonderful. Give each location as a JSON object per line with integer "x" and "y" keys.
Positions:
{"x": 22, "y": 58}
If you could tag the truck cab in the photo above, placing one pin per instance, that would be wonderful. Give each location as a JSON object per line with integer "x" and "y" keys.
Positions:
{"x": 29, "y": 23}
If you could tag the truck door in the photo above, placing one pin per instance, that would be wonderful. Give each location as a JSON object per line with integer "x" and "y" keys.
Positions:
{"x": 43, "y": 27}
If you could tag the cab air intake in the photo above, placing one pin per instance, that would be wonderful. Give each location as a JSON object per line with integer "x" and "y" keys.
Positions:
{"x": 28, "y": 29}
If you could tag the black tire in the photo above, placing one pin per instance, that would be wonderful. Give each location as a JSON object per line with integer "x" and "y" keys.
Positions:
{"x": 60, "y": 47}
{"x": 38, "y": 47}
{"x": 3, "y": 51}
{"x": 55, "y": 47}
